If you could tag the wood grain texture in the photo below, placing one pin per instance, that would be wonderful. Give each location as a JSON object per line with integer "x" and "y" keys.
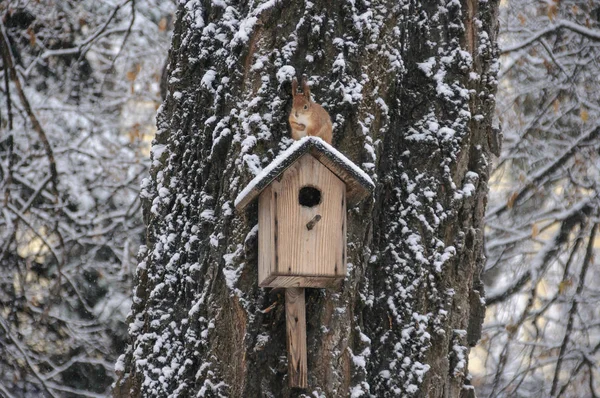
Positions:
{"x": 287, "y": 246}
{"x": 267, "y": 247}
{"x": 290, "y": 253}
{"x": 317, "y": 251}
{"x": 286, "y": 281}
{"x": 355, "y": 191}
{"x": 295, "y": 316}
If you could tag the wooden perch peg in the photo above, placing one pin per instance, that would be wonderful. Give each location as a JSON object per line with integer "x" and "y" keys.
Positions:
{"x": 295, "y": 321}
{"x": 311, "y": 224}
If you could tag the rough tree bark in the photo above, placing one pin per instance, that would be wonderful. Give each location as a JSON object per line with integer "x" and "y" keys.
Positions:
{"x": 410, "y": 88}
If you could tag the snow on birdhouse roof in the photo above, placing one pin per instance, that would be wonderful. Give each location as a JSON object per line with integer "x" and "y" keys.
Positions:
{"x": 358, "y": 184}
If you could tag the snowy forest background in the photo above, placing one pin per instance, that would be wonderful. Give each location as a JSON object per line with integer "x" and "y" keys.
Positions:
{"x": 80, "y": 84}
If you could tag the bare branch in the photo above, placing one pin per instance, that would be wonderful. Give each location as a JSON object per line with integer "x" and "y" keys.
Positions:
{"x": 26, "y": 358}
{"x": 576, "y": 216}
{"x": 560, "y": 24}
{"x": 584, "y": 269}
{"x": 547, "y": 170}
{"x": 7, "y": 58}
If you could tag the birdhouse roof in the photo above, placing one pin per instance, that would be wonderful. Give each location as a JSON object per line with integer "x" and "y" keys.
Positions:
{"x": 358, "y": 184}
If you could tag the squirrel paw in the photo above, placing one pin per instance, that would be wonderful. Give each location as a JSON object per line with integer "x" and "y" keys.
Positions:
{"x": 297, "y": 126}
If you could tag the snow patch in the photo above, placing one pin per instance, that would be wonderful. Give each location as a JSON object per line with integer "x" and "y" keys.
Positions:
{"x": 427, "y": 66}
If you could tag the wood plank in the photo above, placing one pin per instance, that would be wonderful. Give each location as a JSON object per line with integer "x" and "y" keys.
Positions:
{"x": 295, "y": 316}
{"x": 318, "y": 250}
{"x": 301, "y": 281}
{"x": 356, "y": 190}
{"x": 266, "y": 234}
{"x": 247, "y": 199}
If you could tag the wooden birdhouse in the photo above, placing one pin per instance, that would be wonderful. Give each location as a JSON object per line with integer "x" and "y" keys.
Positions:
{"x": 302, "y": 200}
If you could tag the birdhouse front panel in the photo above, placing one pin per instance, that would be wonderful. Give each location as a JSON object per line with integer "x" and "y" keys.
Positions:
{"x": 302, "y": 227}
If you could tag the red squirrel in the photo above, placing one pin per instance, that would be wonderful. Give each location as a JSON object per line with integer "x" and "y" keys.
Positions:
{"x": 308, "y": 117}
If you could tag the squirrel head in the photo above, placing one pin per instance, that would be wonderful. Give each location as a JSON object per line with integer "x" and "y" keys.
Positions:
{"x": 302, "y": 104}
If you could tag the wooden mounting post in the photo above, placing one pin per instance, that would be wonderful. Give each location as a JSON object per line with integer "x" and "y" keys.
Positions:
{"x": 295, "y": 321}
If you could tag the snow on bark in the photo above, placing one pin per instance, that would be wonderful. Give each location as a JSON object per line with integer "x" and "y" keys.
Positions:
{"x": 199, "y": 322}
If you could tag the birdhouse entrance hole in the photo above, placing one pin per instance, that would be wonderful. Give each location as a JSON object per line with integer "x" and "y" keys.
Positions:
{"x": 309, "y": 196}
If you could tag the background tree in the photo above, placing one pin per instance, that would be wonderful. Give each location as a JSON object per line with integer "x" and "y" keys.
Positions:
{"x": 79, "y": 86}
{"x": 541, "y": 337}
{"x": 410, "y": 87}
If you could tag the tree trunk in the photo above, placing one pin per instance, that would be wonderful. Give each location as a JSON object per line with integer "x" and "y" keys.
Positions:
{"x": 410, "y": 89}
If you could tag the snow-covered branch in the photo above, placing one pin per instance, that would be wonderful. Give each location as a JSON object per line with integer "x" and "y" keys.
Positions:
{"x": 592, "y": 34}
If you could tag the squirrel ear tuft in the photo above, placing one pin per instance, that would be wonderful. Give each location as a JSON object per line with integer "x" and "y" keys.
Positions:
{"x": 294, "y": 86}
{"x": 305, "y": 87}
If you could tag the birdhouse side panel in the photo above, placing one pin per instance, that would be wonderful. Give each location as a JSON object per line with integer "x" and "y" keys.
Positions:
{"x": 267, "y": 234}
{"x": 311, "y": 214}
